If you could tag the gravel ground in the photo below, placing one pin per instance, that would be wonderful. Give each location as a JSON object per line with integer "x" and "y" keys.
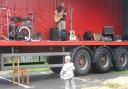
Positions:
{"x": 48, "y": 80}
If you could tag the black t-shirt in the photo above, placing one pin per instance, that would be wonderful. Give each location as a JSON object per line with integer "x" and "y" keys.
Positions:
{"x": 60, "y": 9}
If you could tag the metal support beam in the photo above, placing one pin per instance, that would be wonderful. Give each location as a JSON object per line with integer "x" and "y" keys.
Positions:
{"x": 35, "y": 66}
{"x": 2, "y": 62}
{"x": 33, "y": 54}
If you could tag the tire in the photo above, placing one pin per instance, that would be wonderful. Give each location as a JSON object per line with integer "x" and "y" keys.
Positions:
{"x": 82, "y": 61}
{"x": 121, "y": 58}
{"x": 103, "y": 60}
{"x": 55, "y": 60}
{"x": 0, "y": 64}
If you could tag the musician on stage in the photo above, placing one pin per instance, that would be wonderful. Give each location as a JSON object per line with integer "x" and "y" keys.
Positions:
{"x": 60, "y": 17}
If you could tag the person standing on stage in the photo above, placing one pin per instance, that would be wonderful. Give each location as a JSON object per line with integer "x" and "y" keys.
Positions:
{"x": 60, "y": 17}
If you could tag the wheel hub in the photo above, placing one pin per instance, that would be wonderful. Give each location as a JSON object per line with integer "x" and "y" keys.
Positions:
{"x": 82, "y": 61}
{"x": 122, "y": 59}
{"x": 103, "y": 60}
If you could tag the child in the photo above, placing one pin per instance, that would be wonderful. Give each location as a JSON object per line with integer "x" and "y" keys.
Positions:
{"x": 67, "y": 73}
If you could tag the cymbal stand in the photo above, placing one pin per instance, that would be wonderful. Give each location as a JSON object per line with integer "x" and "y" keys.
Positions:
{"x": 0, "y": 19}
{"x": 1, "y": 23}
{"x": 32, "y": 15}
{"x": 33, "y": 24}
{"x": 14, "y": 15}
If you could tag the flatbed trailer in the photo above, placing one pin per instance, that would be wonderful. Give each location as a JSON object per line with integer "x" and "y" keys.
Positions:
{"x": 86, "y": 55}
{"x": 91, "y": 16}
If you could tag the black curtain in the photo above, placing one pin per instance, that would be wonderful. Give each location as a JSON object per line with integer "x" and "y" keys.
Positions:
{"x": 125, "y": 17}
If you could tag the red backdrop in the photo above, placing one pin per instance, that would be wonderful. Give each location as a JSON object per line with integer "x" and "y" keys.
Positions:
{"x": 88, "y": 15}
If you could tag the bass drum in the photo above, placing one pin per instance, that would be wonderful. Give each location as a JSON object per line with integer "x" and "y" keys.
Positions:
{"x": 13, "y": 30}
{"x": 24, "y": 32}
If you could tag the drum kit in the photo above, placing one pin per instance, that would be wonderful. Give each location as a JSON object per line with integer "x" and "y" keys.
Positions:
{"x": 15, "y": 31}
{"x": 22, "y": 32}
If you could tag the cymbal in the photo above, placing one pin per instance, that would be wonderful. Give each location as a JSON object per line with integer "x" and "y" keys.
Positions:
{"x": 16, "y": 19}
{"x": 32, "y": 13}
{"x": 6, "y": 16}
{"x": 3, "y": 8}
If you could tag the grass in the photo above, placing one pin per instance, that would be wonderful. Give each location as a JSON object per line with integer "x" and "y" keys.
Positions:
{"x": 125, "y": 72}
{"x": 30, "y": 70}
{"x": 113, "y": 83}
{"x": 39, "y": 70}
{"x": 96, "y": 87}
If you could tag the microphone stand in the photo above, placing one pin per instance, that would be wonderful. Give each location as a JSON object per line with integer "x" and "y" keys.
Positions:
{"x": 7, "y": 3}
{"x": 14, "y": 18}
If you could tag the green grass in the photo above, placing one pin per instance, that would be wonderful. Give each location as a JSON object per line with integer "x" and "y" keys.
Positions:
{"x": 125, "y": 72}
{"x": 39, "y": 70}
{"x": 30, "y": 70}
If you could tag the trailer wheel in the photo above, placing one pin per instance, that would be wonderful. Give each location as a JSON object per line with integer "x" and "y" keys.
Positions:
{"x": 103, "y": 58}
{"x": 121, "y": 58}
{"x": 55, "y": 60}
{"x": 82, "y": 61}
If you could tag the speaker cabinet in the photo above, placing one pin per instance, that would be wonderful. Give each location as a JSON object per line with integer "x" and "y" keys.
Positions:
{"x": 108, "y": 30}
{"x": 54, "y": 34}
{"x": 63, "y": 35}
{"x": 88, "y": 35}
{"x": 108, "y": 33}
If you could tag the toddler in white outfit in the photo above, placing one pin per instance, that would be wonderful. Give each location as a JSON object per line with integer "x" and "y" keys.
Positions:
{"x": 67, "y": 73}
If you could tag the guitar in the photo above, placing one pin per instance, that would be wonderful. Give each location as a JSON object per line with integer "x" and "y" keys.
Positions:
{"x": 58, "y": 16}
{"x": 72, "y": 35}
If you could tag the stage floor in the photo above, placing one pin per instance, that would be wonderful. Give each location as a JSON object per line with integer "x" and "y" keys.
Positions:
{"x": 61, "y": 43}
